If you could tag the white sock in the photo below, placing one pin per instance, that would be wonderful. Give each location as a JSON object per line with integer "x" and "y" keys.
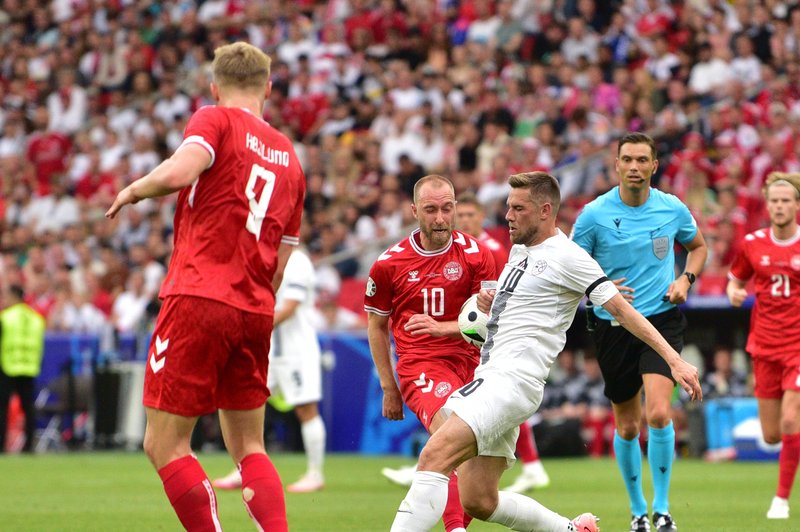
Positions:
{"x": 424, "y": 503}
{"x": 314, "y": 435}
{"x": 519, "y": 512}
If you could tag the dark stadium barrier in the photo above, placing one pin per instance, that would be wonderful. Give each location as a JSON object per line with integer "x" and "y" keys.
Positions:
{"x": 352, "y": 397}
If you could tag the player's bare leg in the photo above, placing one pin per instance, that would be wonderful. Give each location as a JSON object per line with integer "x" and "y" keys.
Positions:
{"x": 167, "y": 446}
{"x": 262, "y": 490}
{"x": 454, "y": 518}
{"x": 479, "y": 482}
{"x": 454, "y": 445}
{"x": 312, "y": 429}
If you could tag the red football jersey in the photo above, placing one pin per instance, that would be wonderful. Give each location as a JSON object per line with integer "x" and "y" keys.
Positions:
{"x": 497, "y": 250}
{"x": 407, "y": 280}
{"x": 775, "y": 320}
{"x": 230, "y": 222}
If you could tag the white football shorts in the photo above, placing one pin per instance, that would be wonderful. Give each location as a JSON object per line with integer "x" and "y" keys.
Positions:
{"x": 494, "y": 405}
{"x": 297, "y": 376}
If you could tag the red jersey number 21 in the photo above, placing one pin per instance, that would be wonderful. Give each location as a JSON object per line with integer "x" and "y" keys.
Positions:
{"x": 258, "y": 207}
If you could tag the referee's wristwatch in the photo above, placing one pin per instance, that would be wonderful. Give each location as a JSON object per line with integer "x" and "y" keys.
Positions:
{"x": 692, "y": 277}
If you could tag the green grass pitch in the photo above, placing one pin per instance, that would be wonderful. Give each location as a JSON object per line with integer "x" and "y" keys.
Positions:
{"x": 120, "y": 492}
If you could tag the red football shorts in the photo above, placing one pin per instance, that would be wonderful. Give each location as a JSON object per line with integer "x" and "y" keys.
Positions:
{"x": 772, "y": 378}
{"x": 426, "y": 384}
{"x": 206, "y": 355}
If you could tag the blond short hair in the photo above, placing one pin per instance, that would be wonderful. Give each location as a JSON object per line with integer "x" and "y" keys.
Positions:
{"x": 783, "y": 178}
{"x": 241, "y": 65}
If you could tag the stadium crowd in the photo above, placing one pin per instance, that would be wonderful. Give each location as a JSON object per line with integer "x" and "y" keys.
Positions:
{"x": 375, "y": 94}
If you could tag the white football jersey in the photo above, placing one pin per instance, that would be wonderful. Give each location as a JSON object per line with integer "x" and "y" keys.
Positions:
{"x": 537, "y": 296}
{"x": 297, "y": 335}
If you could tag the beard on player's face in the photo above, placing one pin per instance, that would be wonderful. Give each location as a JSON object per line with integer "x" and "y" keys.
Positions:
{"x": 437, "y": 233}
{"x": 525, "y": 236}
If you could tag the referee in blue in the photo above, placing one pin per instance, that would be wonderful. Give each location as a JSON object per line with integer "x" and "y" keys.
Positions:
{"x": 631, "y": 232}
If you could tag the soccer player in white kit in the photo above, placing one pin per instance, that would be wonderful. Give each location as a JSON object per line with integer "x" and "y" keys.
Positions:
{"x": 538, "y": 293}
{"x": 294, "y": 368}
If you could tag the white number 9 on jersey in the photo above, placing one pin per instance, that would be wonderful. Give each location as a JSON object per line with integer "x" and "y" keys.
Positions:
{"x": 258, "y": 208}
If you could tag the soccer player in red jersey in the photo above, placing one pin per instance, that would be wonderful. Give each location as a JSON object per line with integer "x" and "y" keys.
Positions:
{"x": 420, "y": 284}
{"x": 470, "y": 216}
{"x": 237, "y": 219}
{"x": 771, "y": 257}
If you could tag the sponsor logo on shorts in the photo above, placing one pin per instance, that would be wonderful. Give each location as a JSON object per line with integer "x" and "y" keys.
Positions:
{"x": 452, "y": 271}
{"x": 443, "y": 389}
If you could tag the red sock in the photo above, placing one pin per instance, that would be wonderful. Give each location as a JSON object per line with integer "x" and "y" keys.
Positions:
{"x": 787, "y": 464}
{"x": 596, "y": 427}
{"x": 454, "y": 516}
{"x": 190, "y": 493}
{"x": 262, "y": 493}
{"x": 526, "y": 445}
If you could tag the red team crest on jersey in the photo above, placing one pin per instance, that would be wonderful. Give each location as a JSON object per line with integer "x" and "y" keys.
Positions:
{"x": 452, "y": 271}
{"x": 443, "y": 389}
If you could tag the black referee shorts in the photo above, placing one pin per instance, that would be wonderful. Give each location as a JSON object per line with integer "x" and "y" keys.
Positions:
{"x": 623, "y": 358}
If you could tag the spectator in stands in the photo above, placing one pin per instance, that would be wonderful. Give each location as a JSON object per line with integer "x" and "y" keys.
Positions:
{"x": 130, "y": 307}
{"x": 101, "y": 64}
{"x": 722, "y": 379}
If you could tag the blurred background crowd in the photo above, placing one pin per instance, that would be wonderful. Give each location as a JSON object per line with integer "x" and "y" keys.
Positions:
{"x": 375, "y": 94}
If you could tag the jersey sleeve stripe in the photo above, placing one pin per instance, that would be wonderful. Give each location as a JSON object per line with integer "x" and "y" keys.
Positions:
{"x": 733, "y": 277}
{"x": 377, "y": 311}
{"x": 197, "y": 139}
{"x": 290, "y": 240}
{"x": 595, "y": 284}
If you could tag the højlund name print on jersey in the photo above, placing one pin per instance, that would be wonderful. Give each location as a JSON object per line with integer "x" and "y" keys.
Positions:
{"x": 269, "y": 155}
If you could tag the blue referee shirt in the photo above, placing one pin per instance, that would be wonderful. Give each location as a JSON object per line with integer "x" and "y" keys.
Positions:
{"x": 636, "y": 243}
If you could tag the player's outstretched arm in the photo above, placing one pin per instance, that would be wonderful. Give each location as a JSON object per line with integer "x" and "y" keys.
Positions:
{"x": 380, "y": 347}
{"x": 685, "y": 374}
{"x": 171, "y": 175}
{"x": 736, "y": 292}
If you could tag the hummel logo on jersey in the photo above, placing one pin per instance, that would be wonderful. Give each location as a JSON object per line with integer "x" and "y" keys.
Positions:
{"x": 413, "y": 276}
{"x": 765, "y": 260}
{"x": 617, "y": 221}
{"x": 157, "y": 365}
{"x": 422, "y": 381}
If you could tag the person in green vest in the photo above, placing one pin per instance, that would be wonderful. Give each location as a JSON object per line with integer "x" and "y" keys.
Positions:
{"x": 21, "y": 346}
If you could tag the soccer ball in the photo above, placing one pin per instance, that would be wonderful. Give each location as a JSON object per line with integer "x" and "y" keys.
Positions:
{"x": 472, "y": 322}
